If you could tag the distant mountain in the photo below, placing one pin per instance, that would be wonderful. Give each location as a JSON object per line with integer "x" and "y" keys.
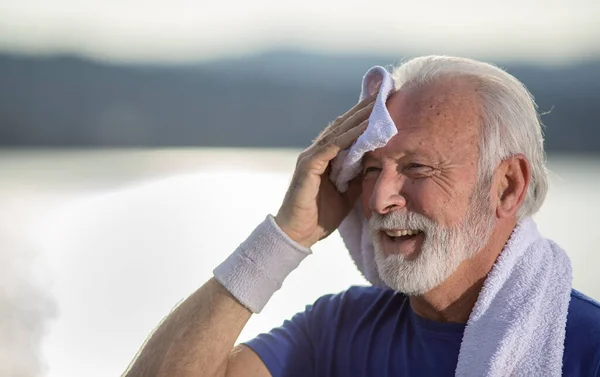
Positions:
{"x": 278, "y": 99}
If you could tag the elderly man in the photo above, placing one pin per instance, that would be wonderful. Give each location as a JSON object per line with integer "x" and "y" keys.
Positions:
{"x": 463, "y": 283}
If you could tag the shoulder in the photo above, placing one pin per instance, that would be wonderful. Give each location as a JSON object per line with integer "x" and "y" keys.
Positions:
{"x": 582, "y": 340}
{"x": 583, "y": 312}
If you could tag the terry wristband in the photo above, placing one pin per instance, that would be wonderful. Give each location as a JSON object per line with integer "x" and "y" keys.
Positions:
{"x": 258, "y": 267}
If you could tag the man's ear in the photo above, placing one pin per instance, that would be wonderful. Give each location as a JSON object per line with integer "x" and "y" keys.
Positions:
{"x": 512, "y": 179}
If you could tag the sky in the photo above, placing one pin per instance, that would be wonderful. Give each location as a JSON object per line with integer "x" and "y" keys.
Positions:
{"x": 552, "y": 31}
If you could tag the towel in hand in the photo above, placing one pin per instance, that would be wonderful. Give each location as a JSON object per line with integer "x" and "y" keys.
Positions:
{"x": 381, "y": 128}
{"x": 517, "y": 327}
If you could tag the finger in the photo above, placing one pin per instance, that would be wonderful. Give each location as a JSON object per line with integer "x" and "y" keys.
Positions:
{"x": 354, "y": 121}
{"x": 329, "y": 151}
{"x": 346, "y": 139}
{"x": 362, "y": 104}
{"x": 367, "y": 102}
{"x": 318, "y": 161}
{"x": 331, "y": 139}
{"x": 358, "y": 112}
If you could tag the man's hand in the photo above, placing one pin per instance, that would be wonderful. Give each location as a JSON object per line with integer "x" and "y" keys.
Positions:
{"x": 313, "y": 208}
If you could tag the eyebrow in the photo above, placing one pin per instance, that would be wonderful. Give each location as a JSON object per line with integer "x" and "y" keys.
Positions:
{"x": 409, "y": 153}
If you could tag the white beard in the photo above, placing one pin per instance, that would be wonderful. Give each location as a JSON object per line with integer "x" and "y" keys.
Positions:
{"x": 443, "y": 249}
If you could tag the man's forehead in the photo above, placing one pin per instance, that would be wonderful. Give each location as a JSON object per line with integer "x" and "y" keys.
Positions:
{"x": 431, "y": 120}
{"x": 436, "y": 110}
{"x": 448, "y": 94}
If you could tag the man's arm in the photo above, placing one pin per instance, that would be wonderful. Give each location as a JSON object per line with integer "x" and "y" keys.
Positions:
{"x": 197, "y": 338}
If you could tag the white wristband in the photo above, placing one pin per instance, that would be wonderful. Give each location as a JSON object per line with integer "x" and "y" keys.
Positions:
{"x": 258, "y": 267}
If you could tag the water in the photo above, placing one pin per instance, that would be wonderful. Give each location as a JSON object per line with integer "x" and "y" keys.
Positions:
{"x": 117, "y": 237}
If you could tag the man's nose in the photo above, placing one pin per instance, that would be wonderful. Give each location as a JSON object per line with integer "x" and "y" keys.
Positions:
{"x": 386, "y": 196}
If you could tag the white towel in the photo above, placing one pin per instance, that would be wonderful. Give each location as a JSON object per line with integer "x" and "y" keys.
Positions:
{"x": 517, "y": 327}
{"x": 347, "y": 165}
{"x": 380, "y": 130}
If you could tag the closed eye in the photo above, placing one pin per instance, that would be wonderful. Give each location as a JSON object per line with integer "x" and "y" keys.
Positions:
{"x": 416, "y": 168}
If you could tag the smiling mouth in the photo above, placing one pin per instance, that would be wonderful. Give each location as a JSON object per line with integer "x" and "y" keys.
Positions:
{"x": 401, "y": 234}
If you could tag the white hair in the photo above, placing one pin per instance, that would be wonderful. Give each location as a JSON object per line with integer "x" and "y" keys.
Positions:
{"x": 510, "y": 122}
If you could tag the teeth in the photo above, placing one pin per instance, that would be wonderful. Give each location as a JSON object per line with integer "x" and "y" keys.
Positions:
{"x": 402, "y": 232}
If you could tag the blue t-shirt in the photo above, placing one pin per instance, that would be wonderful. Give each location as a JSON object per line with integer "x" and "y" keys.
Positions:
{"x": 372, "y": 332}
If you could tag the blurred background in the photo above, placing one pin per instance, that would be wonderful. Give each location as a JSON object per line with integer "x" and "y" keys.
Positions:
{"x": 142, "y": 141}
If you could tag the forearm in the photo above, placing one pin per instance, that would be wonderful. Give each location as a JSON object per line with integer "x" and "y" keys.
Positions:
{"x": 196, "y": 339}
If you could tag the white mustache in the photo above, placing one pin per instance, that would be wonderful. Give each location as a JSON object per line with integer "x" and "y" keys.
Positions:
{"x": 401, "y": 220}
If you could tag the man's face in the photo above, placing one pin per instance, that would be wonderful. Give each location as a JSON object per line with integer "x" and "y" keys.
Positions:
{"x": 421, "y": 195}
